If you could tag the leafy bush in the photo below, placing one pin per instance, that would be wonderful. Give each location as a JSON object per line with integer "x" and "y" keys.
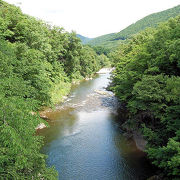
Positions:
{"x": 147, "y": 80}
{"x": 37, "y": 65}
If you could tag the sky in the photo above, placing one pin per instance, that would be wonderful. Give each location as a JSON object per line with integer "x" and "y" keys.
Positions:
{"x": 92, "y": 18}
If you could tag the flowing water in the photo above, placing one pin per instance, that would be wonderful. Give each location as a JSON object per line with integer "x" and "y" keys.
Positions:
{"x": 85, "y": 142}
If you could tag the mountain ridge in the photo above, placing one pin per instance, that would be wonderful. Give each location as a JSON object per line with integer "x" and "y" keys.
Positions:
{"x": 84, "y": 39}
{"x": 153, "y": 20}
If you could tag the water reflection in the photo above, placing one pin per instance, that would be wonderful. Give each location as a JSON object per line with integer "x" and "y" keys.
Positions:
{"x": 85, "y": 141}
{"x": 61, "y": 124}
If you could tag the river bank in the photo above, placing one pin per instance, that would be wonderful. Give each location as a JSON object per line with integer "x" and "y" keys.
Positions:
{"x": 45, "y": 110}
{"x": 135, "y": 135}
{"x": 137, "y": 138}
{"x": 85, "y": 140}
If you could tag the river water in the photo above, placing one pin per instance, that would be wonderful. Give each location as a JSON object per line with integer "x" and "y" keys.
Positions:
{"x": 85, "y": 142}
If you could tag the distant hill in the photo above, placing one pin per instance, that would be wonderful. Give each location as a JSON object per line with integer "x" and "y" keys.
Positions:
{"x": 113, "y": 39}
{"x": 101, "y": 39}
{"x": 84, "y": 39}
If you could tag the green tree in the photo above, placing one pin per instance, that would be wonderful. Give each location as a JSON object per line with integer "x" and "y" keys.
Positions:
{"x": 147, "y": 81}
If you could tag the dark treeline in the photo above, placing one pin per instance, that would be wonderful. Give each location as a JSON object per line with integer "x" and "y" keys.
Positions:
{"x": 38, "y": 63}
{"x": 147, "y": 81}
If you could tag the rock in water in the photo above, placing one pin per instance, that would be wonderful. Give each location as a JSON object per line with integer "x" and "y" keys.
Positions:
{"x": 41, "y": 126}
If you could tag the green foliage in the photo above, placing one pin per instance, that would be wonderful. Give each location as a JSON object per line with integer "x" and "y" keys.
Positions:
{"x": 89, "y": 62}
{"x": 101, "y": 50}
{"x": 45, "y": 56}
{"x": 101, "y": 39}
{"x": 37, "y": 65}
{"x": 104, "y": 61}
{"x": 151, "y": 20}
{"x": 147, "y": 80}
{"x": 84, "y": 39}
{"x": 167, "y": 157}
{"x": 113, "y": 40}
{"x": 20, "y": 157}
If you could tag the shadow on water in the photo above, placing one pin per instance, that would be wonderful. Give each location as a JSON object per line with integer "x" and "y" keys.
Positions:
{"x": 84, "y": 141}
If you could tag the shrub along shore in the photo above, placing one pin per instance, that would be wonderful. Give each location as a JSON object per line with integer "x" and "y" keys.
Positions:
{"x": 147, "y": 82}
{"x": 38, "y": 64}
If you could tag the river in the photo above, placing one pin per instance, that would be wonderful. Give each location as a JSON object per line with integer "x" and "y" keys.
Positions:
{"x": 85, "y": 141}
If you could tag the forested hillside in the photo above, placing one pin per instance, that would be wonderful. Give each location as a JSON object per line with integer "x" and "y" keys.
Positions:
{"x": 38, "y": 63}
{"x": 101, "y": 39}
{"x": 113, "y": 40}
{"x": 147, "y": 82}
{"x": 84, "y": 39}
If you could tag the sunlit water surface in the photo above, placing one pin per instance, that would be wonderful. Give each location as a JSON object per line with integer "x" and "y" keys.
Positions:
{"x": 85, "y": 141}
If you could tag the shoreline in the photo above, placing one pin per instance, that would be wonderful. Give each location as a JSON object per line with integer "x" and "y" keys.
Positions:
{"x": 139, "y": 140}
{"x": 45, "y": 110}
{"x": 105, "y": 70}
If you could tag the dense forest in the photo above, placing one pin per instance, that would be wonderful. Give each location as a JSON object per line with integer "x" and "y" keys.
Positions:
{"x": 106, "y": 41}
{"x": 147, "y": 82}
{"x": 84, "y": 39}
{"x": 114, "y": 39}
{"x": 38, "y": 63}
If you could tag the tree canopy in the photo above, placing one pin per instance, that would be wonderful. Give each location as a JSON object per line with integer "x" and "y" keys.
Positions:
{"x": 147, "y": 81}
{"x": 38, "y": 63}
{"x": 113, "y": 40}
